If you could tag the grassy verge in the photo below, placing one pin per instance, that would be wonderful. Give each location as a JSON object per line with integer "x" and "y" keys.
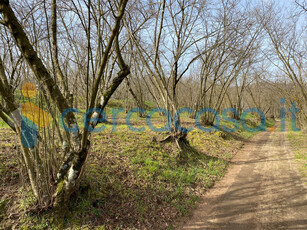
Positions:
{"x": 131, "y": 181}
{"x": 299, "y": 145}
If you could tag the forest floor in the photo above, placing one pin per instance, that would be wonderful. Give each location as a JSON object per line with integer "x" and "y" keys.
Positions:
{"x": 131, "y": 181}
{"x": 264, "y": 189}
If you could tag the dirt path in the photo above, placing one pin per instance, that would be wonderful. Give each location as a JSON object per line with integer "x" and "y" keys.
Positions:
{"x": 262, "y": 190}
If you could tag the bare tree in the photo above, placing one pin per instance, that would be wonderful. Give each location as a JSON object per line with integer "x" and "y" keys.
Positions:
{"x": 287, "y": 53}
{"x": 70, "y": 172}
{"x": 168, "y": 55}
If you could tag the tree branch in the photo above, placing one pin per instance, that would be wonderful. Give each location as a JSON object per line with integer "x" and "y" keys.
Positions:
{"x": 41, "y": 73}
{"x": 301, "y": 5}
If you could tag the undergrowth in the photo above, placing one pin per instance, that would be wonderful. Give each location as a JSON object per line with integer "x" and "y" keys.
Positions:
{"x": 299, "y": 145}
{"x": 134, "y": 182}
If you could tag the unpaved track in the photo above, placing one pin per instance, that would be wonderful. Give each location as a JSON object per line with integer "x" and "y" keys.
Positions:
{"x": 262, "y": 190}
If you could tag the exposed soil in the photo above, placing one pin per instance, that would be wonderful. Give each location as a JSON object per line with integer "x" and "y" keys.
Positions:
{"x": 262, "y": 190}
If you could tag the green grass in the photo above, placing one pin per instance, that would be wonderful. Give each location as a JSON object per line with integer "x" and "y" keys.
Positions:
{"x": 136, "y": 180}
{"x": 299, "y": 145}
{"x": 131, "y": 181}
{"x": 3, "y": 125}
{"x": 8, "y": 164}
